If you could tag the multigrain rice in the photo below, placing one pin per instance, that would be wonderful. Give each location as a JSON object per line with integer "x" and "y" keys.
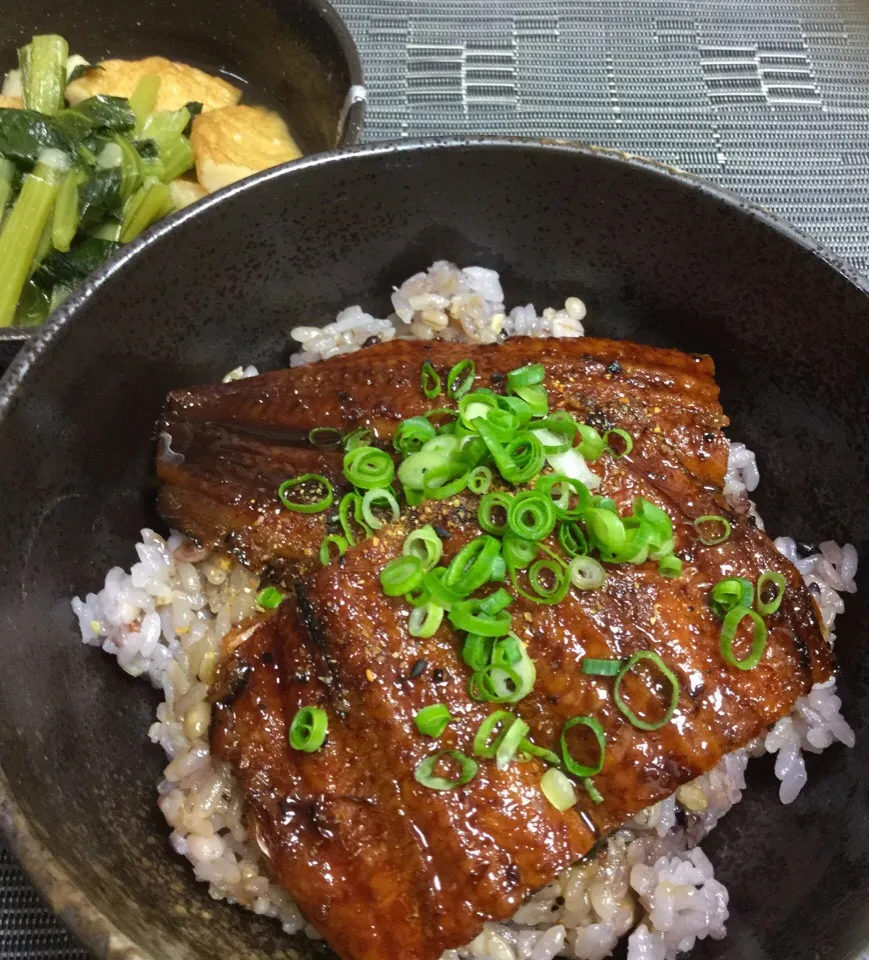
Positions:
{"x": 166, "y": 617}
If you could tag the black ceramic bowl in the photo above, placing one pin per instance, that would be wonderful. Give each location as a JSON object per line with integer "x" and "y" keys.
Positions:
{"x": 295, "y": 56}
{"x": 658, "y": 256}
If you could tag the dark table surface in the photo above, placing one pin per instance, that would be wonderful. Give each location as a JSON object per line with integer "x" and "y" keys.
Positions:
{"x": 768, "y": 99}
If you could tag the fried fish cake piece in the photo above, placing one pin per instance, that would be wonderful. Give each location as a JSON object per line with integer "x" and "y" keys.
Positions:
{"x": 236, "y": 142}
{"x": 179, "y": 84}
{"x": 10, "y": 103}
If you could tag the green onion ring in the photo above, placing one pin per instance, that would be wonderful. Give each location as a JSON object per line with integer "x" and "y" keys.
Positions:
{"x": 425, "y": 544}
{"x": 467, "y": 615}
{"x": 580, "y": 769}
{"x": 472, "y": 566}
{"x": 324, "y": 437}
{"x": 425, "y": 619}
{"x": 724, "y": 529}
{"x": 600, "y": 668}
{"x": 541, "y": 567}
{"x": 768, "y": 607}
{"x": 308, "y": 729}
{"x": 412, "y": 434}
{"x": 360, "y": 437}
{"x": 461, "y": 377}
{"x": 424, "y": 773}
{"x": 558, "y": 790}
{"x": 477, "y": 651}
{"x": 372, "y": 498}
{"x": 368, "y": 467}
{"x": 728, "y": 634}
{"x": 591, "y": 443}
{"x": 479, "y": 480}
{"x": 527, "y": 376}
{"x": 636, "y": 721}
{"x": 433, "y": 720}
{"x": 401, "y": 575}
{"x": 541, "y": 753}
{"x": 572, "y": 539}
{"x": 586, "y": 573}
{"x": 605, "y": 530}
{"x": 481, "y": 745}
{"x": 626, "y": 446}
{"x": 497, "y": 499}
{"x": 318, "y": 506}
{"x": 509, "y": 743}
{"x": 333, "y": 540}
{"x": 531, "y": 515}
{"x": 729, "y": 593}
{"x": 670, "y": 566}
{"x": 429, "y": 380}
{"x": 594, "y": 794}
{"x": 269, "y": 598}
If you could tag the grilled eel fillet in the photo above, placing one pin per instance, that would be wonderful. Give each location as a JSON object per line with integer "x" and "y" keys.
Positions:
{"x": 224, "y": 449}
{"x": 383, "y": 866}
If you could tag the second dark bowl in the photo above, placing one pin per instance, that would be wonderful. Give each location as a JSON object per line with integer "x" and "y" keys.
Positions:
{"x": 295, "y": 56}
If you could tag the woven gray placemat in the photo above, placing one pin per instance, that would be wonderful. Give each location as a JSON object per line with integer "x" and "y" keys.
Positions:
{"x": 769, "y": 99}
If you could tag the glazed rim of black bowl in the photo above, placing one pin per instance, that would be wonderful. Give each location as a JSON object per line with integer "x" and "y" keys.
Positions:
{"x": 352, "y": 122}
{"x": 83, "y": 917}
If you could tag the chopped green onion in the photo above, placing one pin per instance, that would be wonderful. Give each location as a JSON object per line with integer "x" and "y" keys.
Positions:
{"x": 766, "y": 607}
{"x": 425, "y": 775}
{"x": 558, "y": 790}
{"x": 433, "y": 582}
{"x": 412, "y": 434}
{"x": 318, "y": 506}
{"x": 340, "y": 544}
{"x": 460, "y": 379}
{"x": 668, "y": 674}
{"x": 580, "y": 769}
{"x": 518, "y": 553}
{"x": 477, "y": 651}
{"x": 432, "y": 721}
{"x": 721, "y": 528}
{"x": 591, "y": 442}
{"x": 670, "y": 566}
{"x": 605, "y": 529}
{"x": 483, "y": 745}
{"x": 557, "y": 574}
{"x": 507, "y": 684}
{"x": 308, "y": 729}
{"x": 506, "y": 650}
{"x": 561, "y": 488}
{"x": 527, "y": 376}
{"x": 351, "y": 501}
{"x": 324, "y": 437}
{"x": 517, "y": 408}
{"x": 594, "y": 794}
{"x": 479, "y": 480}
{"x": 468, "y": 615}
{"x": 600, "y": 668}
{"x": 547, "y": 756}
{"x": 536, "y": 397}
{"x": 509, "y": 743}
{"x": 728, "y": 633}
{"x": 424, "y": 620}
{"x": 379, "y": 497}
{"x": 425, "y": 544}
{"x": 496, "y": 602}
{"x": 269, "y": 598}
{"x": 497, "y": 500}
{"x": 519, "y": 460}
{"x": 586, "y": 573}
{"x": 360, "y": 437}
{"x": 472, "y": 566}
{"x": 401, "y": 575}
{"x": 572, "y": 539}
{"x": 444, "y": 480}
{"x": 729, "y": 593}
{"x": 429, "y": 380}
{"x": 531, "y": 515}
{"x": 659, "y": 524}
{"x": 412, "y": 471}
{"x": 620, "y": 449}
{"x": 368, "y": 467}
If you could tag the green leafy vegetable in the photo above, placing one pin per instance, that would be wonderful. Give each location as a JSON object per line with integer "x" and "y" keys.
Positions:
{"x": 71, "y": 268}
{"x": 25, "y": 134}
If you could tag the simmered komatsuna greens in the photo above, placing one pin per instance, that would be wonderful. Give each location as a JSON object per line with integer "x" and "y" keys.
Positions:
{"x": 77, "y": 181}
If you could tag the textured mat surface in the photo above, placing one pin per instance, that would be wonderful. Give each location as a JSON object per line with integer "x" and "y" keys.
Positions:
{"x": 769, "y": 99}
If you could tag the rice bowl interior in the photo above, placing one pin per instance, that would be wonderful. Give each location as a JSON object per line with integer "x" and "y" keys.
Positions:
{"x": 806, "y": 728}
